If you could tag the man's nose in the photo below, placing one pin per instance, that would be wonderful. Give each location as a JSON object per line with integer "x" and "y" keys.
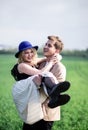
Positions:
{"x": 46, "y": 46}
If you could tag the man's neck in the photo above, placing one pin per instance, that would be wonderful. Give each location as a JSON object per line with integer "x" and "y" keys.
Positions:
{"x": 48, "y": 59}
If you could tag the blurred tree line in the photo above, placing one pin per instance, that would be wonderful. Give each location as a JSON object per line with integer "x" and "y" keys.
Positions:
{"x": 77, "y": 53}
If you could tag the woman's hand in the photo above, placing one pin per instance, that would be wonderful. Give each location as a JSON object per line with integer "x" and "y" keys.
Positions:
{"x": 54, "y": 59}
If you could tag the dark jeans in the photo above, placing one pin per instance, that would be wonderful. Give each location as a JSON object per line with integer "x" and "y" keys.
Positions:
{"x": 40, "y": 125}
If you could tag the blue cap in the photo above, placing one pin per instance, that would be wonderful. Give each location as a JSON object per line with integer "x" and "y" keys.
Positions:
{"x": 23, "y": 46}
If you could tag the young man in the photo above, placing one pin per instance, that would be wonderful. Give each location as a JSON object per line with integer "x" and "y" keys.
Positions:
{"x": 52, "y": 47}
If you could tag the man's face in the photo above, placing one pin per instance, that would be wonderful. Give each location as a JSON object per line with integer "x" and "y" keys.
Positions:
{"x": 49, "y": 49}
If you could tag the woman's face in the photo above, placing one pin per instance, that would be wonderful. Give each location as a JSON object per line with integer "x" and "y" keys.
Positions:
{"x": 27, "y": 55}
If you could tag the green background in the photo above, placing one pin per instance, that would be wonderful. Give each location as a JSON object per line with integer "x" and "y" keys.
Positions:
{"x": 74, "y": 115}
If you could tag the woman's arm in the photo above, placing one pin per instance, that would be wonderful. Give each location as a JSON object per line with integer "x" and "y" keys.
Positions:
{"x": 27, "y": 69}
{"x": 40, "y": 60}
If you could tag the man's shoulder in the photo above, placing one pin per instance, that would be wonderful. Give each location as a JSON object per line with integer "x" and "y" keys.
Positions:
{"x": 59, "y": 65}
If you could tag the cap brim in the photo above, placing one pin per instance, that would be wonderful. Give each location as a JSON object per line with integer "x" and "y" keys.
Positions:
{"x": 17, "y": 54}
{"x": 36, "y": 47}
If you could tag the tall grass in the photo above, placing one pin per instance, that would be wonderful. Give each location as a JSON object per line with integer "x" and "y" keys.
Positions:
{"x": 74, "y": 115}
{"x": 9, "y": 119}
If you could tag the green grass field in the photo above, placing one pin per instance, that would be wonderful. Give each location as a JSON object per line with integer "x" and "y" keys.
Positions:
{"x": 74, "y": 115}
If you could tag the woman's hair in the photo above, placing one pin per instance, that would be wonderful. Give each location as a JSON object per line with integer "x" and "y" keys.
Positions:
{"x": 33, "y": 60}
{"x": 57, "y": 42}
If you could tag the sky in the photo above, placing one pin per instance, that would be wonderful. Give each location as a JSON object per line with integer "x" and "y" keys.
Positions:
{"x": 34, "y": 20}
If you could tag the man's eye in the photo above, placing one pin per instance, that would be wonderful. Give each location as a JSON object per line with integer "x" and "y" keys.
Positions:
{"x": 49, "y": 45}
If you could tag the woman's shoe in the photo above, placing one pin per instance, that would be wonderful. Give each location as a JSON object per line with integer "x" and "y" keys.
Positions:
{"x": 59, "y": 100}
{"x": 59, "y": 88}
